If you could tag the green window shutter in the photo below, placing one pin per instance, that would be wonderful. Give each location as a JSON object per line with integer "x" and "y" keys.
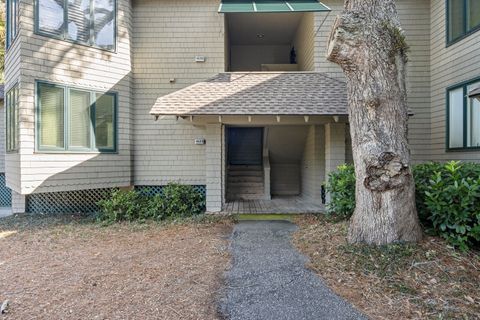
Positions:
{"x": 51, "y": 115}
{"x": 105, "y": 122}
{"x": 79, "y": 119}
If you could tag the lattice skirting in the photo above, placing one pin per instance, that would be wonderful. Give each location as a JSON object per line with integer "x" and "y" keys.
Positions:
{"x": 5, "y": 193}
{"x": 81, "y": 201}
{"x": 153, "y": 190}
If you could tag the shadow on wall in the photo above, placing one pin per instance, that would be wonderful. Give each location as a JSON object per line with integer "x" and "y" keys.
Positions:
{"x": 54, "y": 172}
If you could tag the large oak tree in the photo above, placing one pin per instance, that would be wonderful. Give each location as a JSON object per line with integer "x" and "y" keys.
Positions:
{"x": 368, "y": 43}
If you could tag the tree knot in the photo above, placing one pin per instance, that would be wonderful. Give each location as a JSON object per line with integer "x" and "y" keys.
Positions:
{"x": 386, "y": 172}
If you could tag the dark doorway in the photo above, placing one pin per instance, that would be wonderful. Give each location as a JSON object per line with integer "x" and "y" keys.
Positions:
{"x": 245, "y": 146}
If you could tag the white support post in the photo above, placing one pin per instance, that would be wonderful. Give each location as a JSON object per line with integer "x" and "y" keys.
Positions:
{"x": 18, "y": 202}
{"x": 213, "y": 156}
{"x": 334, "y": 147}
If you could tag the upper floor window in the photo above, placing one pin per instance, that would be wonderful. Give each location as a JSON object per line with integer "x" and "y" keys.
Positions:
{"x": 463, "y": 116}
{"x": 70, "y": 119}
{"x": 463, "y": 18}
{"x": 11, "y": 113}
{"x": 12, "y": 20}
{"x": 89, "y": 22}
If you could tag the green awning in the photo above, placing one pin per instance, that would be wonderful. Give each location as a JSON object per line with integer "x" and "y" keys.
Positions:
{"x": 249, "y": 6}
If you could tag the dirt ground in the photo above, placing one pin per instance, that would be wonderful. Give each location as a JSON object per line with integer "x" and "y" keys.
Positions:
{"x": 430, "y": 280}
{"x": 69, "y": 268}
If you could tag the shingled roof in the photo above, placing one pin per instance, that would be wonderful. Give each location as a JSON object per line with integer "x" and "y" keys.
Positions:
{"x": 258, "y": 93}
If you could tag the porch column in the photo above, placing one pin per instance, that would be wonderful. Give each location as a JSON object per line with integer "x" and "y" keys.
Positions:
{"x": 18, "y": 202}
{"x": 334, "y": 147}
{"x": 213, "y": 170}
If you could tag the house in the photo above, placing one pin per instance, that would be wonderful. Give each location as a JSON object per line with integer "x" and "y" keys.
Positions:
{"x": 234, "y": 97}
{"x": 5, "y": 193}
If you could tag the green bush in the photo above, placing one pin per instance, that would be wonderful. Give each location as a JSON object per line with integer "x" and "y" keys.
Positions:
{"x": 175, "y": 201}
{"x": 341, "y": 186}
{"x": 453, "y": 199}
{"x": 447, "y": 199}
{"x": 122, "y": 206}
{"x": 422, "y": 174}
{"x": 182, "y": 201}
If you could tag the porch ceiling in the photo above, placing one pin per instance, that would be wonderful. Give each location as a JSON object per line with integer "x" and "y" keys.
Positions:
{"x": 258, "y": 93}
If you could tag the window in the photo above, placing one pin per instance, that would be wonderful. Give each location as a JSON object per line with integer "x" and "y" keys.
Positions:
{"x": 11, "y": 116}
{"x": 12, "y": 20}
{"x": 70, "y": 119}
{"x": 89, "y": 22}
{"x": 463, "y": 18}
{"x": 463, "y": 116}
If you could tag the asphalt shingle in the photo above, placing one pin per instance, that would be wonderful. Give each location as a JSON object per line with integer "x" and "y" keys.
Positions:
{"x": 258, "y": 93}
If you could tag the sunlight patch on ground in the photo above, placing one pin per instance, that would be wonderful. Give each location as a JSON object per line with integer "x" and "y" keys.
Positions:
{"x": 5, "y": 234}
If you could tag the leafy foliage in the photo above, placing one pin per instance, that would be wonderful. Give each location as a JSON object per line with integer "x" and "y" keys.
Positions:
{"x": 447, "y": 199}
{"x": 341, "y": 186}
{"x": 453, "y": 199}
{"x": 175, "y": 201}
{"x": 422, "y": 174}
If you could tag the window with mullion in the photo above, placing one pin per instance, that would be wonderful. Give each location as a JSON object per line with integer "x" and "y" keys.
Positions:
{"x": 463, "y": 18}
{"x": 463, "y": 117}
{"x": 70, "y": 119}
{"x": 11, "y": 117}
{"x": 89, "y": 22}
{"x": 13, "y": 15}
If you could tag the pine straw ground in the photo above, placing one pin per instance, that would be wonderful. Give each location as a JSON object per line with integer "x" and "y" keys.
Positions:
{"x": 426, "y": 281}
{"x": 69, "y": 268}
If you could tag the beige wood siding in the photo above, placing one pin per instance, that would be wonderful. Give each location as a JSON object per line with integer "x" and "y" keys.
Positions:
{"x": 2, "y": 137}
{"x": 415, "y": 19}
{"x": 168, "y": 36}
{"x": 304, "y": 42}
{"x": 450, "y": 66}
{"x": 43, "y": 58}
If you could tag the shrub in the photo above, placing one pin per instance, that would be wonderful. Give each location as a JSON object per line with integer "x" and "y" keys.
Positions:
{"x": 175, "y": 201}
{"x": 122, "y": 206}
{"x": 182, "y": 200}
{"x": 447, "y": 199}
{"x": 422, "y": 174}
{"x": 341, "y": 186}
{"x": 452, "y": 197}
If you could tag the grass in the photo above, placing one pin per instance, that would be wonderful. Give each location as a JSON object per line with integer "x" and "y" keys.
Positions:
{"x": 429, "y": 280}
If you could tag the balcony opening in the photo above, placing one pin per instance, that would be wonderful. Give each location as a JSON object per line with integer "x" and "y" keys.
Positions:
{"x": 269, "y": 41}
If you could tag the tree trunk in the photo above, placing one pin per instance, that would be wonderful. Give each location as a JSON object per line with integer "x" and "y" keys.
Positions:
{"x": 369, "y": 45}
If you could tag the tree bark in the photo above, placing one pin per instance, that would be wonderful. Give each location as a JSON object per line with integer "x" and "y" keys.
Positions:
{"x": 369, "y": 45}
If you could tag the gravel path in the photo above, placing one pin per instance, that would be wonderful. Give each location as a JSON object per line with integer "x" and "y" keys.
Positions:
{"x": 268, "y": 278}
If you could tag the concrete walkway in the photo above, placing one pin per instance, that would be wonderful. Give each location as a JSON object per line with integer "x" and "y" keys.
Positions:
{"x": 268, "y": 278}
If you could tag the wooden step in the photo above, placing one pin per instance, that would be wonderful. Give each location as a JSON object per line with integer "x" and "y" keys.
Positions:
{"x": 245, "y": 173}
{"x": 240, "y": 197}
{"x": 245, "y": 184}
{"x": 245, "y": 168}
{"x": 235, "y": 179}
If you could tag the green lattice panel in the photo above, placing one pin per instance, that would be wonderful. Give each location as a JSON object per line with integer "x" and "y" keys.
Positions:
{"x": 5, "y": 193}
{"x": 81, "y": 201}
